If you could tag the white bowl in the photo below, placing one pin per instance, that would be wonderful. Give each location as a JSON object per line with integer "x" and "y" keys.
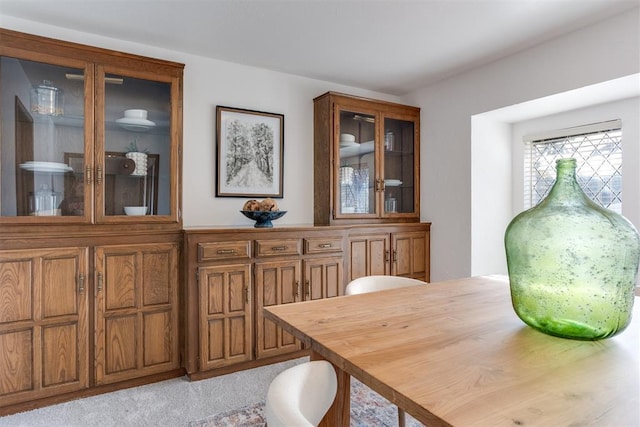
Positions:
{"x": 135, "y": 210}
{"x": 347, "y": 137}
{"x": 136, "y": 114}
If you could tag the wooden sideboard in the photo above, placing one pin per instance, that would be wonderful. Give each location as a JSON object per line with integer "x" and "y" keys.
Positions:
{"x": 231, "y": 274}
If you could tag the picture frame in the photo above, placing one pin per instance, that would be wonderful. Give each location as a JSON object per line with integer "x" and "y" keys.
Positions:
{"x": 250, "y": 153}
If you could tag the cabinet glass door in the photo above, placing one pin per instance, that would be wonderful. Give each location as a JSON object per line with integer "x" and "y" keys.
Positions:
{"x": 356, "y": 190}
{"x": 399, "y": 166}
{"x": 43, "y": 118}
{"x": 135, "y": 147}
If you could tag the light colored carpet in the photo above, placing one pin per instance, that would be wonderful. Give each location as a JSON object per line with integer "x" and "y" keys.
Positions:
{"x": 368, "y": 409}
{"x": 232, "y": 400}
{"x": 170, "y": 403}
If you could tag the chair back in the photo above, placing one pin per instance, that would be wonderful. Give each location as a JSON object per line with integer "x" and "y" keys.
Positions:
{"x": 366, "y": 284}
{"x": 301, "y": 396}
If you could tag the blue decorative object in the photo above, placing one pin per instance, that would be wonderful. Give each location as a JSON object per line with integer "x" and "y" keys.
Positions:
{"x": 263, "y": 218}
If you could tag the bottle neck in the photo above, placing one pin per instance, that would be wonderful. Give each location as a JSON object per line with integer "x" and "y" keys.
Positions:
{"x": 566, "y": 187}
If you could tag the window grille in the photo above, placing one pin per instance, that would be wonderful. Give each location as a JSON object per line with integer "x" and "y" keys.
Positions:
{"x": 597, "y": 149}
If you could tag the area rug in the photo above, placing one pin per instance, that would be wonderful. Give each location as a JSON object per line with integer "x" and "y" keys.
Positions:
{"x": 368, "y": 409}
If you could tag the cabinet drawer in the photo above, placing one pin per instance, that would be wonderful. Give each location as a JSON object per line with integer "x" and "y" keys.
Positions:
{"x": 275, "y": 247}
{"x": 224, "y": 250}
{"x": 317, "y": 245}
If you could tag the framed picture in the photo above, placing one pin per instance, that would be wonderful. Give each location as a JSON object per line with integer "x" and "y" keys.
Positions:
{"x": 250, "y": 147}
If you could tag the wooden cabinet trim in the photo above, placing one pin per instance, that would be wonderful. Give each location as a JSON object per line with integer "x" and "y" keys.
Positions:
{"x": 318, "y": 245}
{"x": 277, "y": 247}
{"x": 215, "y": 251}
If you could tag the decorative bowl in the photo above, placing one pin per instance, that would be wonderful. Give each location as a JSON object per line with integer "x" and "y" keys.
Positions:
{"x": 135, "y": 210}
{"x": 263, "y": 218}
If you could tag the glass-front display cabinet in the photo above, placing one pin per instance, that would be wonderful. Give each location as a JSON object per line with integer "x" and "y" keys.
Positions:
{"x": 366, "y": 160}
{"x": 86, "y": 137}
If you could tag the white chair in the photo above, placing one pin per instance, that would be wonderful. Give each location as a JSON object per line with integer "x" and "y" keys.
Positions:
{"x": 301, "y": 396}
{"x": 366, "y": 284}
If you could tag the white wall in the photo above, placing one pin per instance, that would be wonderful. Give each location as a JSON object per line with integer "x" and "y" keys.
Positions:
{"x": 604, "y": 51}
{"x": 208, "y": 83}
{"x": 450, "y": 164}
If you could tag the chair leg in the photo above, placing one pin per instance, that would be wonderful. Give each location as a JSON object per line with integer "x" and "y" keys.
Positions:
{"x": 400, "y": 418}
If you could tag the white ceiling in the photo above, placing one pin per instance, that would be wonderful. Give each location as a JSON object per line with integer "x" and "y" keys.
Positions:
{"x": 389, "y": 46}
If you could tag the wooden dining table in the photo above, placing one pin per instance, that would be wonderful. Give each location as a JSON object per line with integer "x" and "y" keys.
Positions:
{"x": 454, "y": 353}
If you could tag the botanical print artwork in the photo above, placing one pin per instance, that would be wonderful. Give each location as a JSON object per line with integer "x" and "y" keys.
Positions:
{"x": 250, "y": 153}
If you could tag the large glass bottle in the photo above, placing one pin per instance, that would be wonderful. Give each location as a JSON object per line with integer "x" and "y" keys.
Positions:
{"x": 572, "y": 264}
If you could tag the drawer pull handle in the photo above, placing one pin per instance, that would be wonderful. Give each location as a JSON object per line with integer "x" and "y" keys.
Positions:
{"x": 226, "y": 251}
{"x": 87, "y": 174}
{"x": 81, "y": 283}
{"x": 100, "y": 282}
{"x": 278, "y": 248}
{"x": 324, "y": 245}
{"x": 99, "y": 174}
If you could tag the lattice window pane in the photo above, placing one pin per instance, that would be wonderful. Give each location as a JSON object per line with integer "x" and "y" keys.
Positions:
{"x": 599, "y": 166}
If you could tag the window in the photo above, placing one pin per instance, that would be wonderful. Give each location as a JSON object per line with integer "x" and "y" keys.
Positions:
{"x": 597, "y": 149}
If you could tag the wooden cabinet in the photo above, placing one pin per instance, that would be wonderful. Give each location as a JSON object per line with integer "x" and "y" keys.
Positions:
{"x": 86, "y": 132}
{"x": 396, "y": 250}
{"x": 232, "y": 274}
{"x": 44, "y": 323}
{"x": 237, "y": 273}
{"x": 89, "y": 294}
{"x": 366, "y": 160}
{"x": 136, "y": 310}
{"x": 225, "y": 315}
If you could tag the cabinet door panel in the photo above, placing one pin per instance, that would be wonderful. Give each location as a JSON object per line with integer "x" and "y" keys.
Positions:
{"x": 44, "y": 334}
{"x": 120, "y": 281}
{"x": 369, "y": 255}
{"x": 122, "y": 348}
{"x": 16, "y": 363}
{"x": 378, "y": 259}
{"x": 59, "y": 287}
{"x": 136, "y": 310}
{"x": 225, "y": 315}
{"x": 277, "y": 282}
{"x": 16, "y": 282}
{"x": 410, "y": 255}
{"x": 60, "y": 352}
{"x": 323, "y": 278}
{"x": 156, "y": 350}
{"x": 156, "y": 275}
{"x": 47, "y": 112}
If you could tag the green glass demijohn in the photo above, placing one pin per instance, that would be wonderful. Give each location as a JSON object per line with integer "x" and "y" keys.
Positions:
{"x": 572, "y": 264}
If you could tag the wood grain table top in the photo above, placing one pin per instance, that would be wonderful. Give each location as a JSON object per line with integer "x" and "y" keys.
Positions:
{"x": 455, "y": 353}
